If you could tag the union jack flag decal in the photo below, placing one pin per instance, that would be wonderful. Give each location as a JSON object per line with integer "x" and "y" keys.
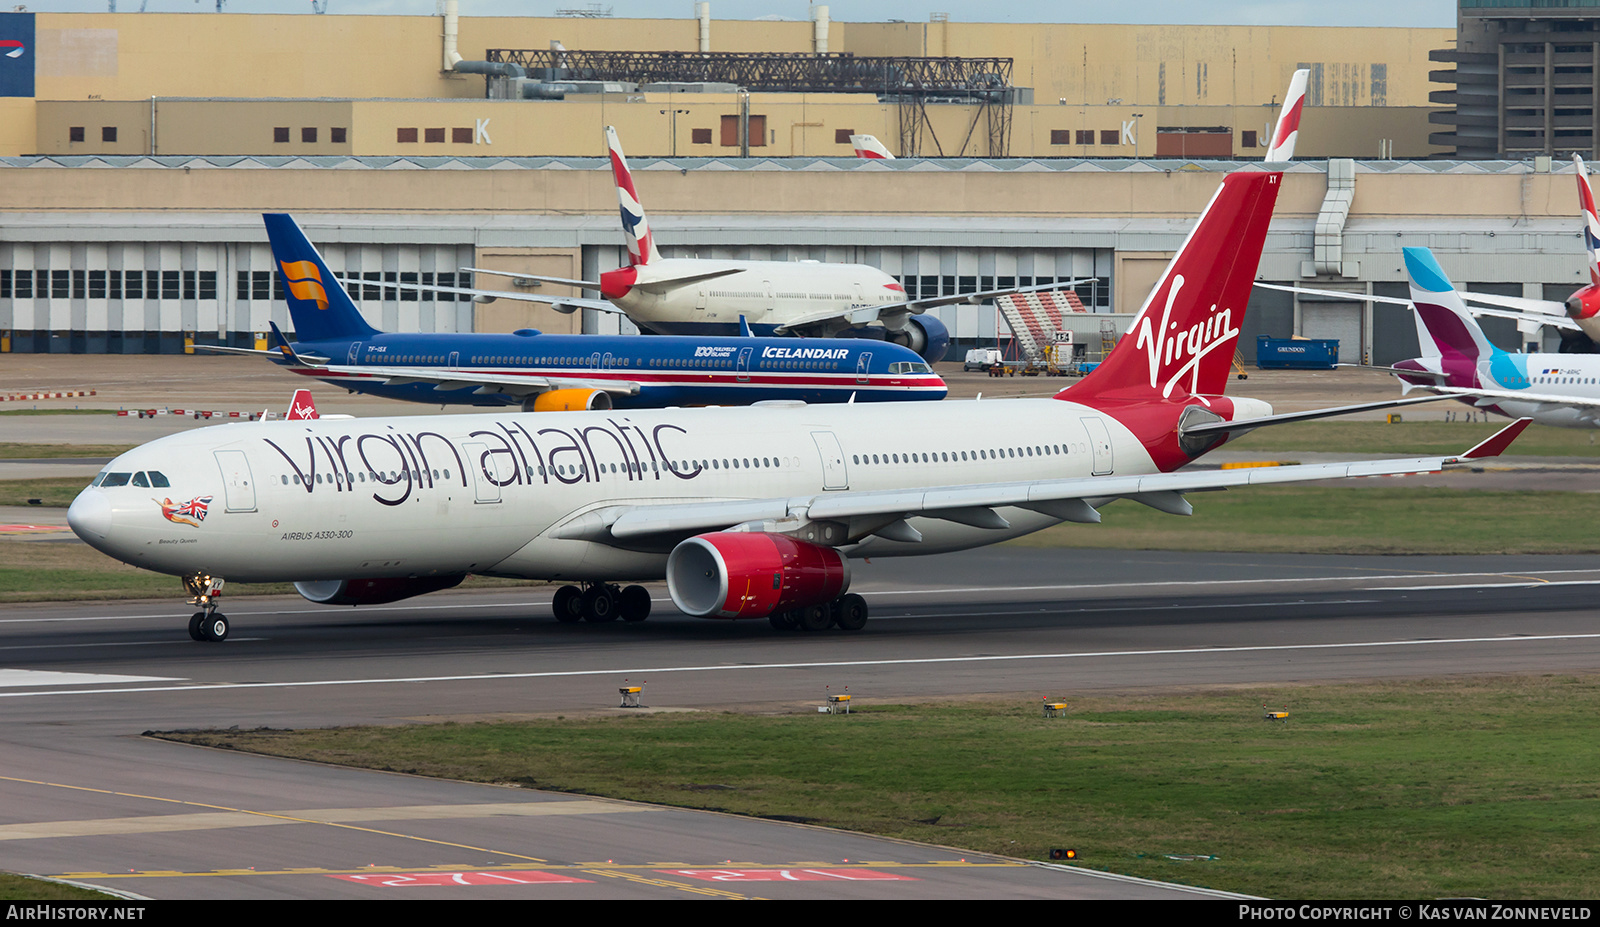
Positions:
{"x": 192, "y": 512}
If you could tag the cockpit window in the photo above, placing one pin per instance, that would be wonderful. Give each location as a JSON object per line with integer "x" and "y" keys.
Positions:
{"x": 159, "y": 479}
{"x": 139, "y": 480}
{"x": 115, "y": 479}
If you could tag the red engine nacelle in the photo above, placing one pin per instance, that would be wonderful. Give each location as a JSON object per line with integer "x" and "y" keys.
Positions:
{"x": 733, "y": 574}
{"x": 374, "y": 591}
{"x": 1583, "y": 304}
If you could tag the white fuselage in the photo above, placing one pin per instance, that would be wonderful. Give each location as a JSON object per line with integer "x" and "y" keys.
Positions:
{"x": 491, "y": 493}
{"x": 767, "y": 293}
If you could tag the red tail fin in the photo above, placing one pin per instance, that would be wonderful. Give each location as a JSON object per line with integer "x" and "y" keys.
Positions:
{"x": 301, "y": 407}
{"x": 1183, "y": 339}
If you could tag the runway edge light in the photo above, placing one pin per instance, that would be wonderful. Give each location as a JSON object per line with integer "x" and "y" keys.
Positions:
{"x": 1059, "y": 853}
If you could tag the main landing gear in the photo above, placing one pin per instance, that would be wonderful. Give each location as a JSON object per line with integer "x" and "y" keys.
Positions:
{"x": 207, "y": 624}
{"x": 601, "y": 602}
{"x": 847, "y": 613}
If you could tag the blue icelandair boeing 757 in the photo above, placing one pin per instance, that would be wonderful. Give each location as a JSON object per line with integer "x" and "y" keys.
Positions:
{"x": 540, "y": 372}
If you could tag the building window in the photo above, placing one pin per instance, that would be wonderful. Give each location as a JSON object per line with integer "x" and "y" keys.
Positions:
{"x": 336, "y": 135}
{"x": 700, "y": 136}
{"x": 133, "y": 284}
{"x": 461, "y": 136}
{"x": 1109, "y": 137}
{"x": 169, "y": 284}
{"x": 1247, "y": 139}
{"x": 75, "y": 134}
{"x": 433, "y": 136}
{"x": 1060, "y": 136}
{"x": 1086, "y": 136}
{"x": 730, "y": 131}
{"x": 842, "y": 136}
{"x": 108, "y": 133}
{"x": 405, "y": 136}
{"x": 309, "y": 135}
{"x": 280, "y": 135}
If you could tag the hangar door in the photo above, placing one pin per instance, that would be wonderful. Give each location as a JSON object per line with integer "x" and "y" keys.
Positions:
{"x": 1334, "y": 320}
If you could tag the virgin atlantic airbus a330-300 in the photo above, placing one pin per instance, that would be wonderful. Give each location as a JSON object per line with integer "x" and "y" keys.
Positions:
{"x": 747, "y": 512}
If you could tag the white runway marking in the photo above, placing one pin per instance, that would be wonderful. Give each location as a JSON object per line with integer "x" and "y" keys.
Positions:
{"x": 822, "y": 664}
{"x": 17, "y": 677}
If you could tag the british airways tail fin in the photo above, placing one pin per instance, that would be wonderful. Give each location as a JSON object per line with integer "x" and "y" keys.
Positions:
{"x": 1287, "y": 131}
{"x": 1183, "y": 339}
{"x": 1591, "y": 221}
{"x": 318, "y": 303}
{"x": 635, "y": 225}
{"x": 1444, "y": 326}
{"x": 868, "y": 146}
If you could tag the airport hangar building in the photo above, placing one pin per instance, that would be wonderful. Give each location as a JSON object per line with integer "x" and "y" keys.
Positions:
{"x": 129, "y": 212}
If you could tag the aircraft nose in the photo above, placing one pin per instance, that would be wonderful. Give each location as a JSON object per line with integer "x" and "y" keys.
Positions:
{"x": 90, "y": 515}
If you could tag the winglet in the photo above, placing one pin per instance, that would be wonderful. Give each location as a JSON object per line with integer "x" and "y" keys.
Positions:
{"x": 302, "y": 407}
{"x": 744, "y": 327}
{"x": 1287, "y": 131}
{"x": 1497, "y": 442}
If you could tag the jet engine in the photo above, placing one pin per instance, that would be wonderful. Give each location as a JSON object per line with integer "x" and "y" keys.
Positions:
{"x": 735, "y": 574}
{"x": 569, "y": 400}
{"x": 1582, "y": 308}
{"x": 374, "y": 591}
{"x": 925, "y": 335}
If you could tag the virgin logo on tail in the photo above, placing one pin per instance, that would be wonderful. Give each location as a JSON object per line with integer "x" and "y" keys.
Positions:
{"x": 1166, "y": 345}
{"x": 302, "y": 407}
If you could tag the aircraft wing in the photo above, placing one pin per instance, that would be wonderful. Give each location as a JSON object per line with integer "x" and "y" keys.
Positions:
{"x": 480, "y": 381}
{"x": 564, "y": 281}
{"x": 917, "y": 306}
{"x": 1488, "y": 397}
{"x": 1543, "y": 316}
{"x": 559, "y": 303}
{"x": 883, "y": 512}
{"x": 1521, "y": 303}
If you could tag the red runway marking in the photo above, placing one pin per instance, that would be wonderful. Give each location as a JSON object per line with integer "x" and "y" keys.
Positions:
{"x": 402, "y": 880}
{"x": 789, "y": 875}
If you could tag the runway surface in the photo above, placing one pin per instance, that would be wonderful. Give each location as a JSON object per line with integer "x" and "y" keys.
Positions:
{"x": 83, "y": 795}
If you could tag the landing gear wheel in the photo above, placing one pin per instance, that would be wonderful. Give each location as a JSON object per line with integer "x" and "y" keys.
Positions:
{"x": 215, "y": 628}
{"x": 566, "y": 605}
{"x": 634, "y": 603}
{"x": 814, "y": 618}
{"x": 850, "y": 612}
{"x": 781, "y": 621}
{"x": 195, "y": 622}
{"x": 599, "y": 604}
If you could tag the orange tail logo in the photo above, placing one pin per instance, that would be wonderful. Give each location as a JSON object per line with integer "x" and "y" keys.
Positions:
{"x": 305, "y": 282}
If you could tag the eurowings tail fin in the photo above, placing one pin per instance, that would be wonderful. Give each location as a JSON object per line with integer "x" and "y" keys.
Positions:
{"x": 1445, "y": 329}
{"x": 635, "y": 225}
{"x": 318, "y": 303}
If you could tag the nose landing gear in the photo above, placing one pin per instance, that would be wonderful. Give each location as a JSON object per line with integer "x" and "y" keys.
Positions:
{"x": 206, "y": 624}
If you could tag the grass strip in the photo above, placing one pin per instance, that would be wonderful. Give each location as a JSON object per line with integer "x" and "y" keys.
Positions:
{"x": 1377, "y": 518}
{"x": 55, "y": 492}
{"x": 20, "y": 451}
{"x": 1438, "y": 788}
{"x": 21, "y": 888}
